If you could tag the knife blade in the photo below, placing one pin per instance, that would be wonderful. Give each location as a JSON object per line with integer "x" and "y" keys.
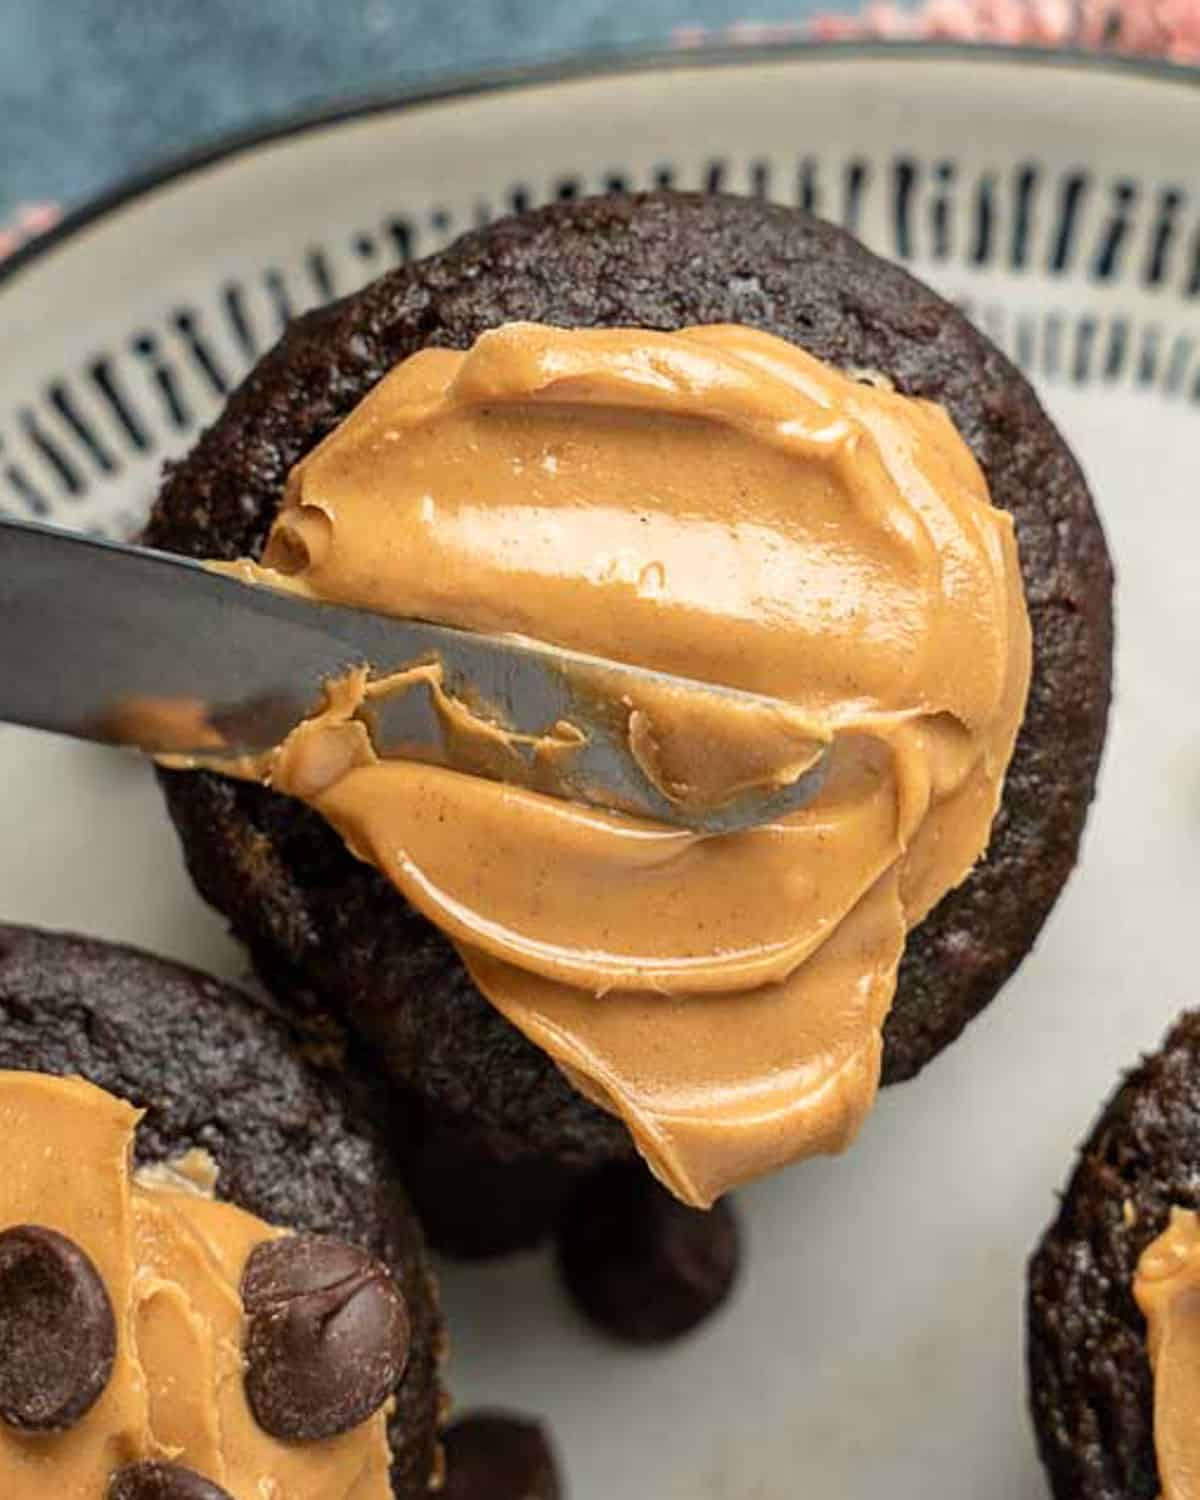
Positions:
{"x": 89, "y": 628}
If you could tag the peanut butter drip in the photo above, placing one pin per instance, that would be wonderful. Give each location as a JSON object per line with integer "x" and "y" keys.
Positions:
{"x": 716, "y": 504}
{"x": 171, "y": 1258}
{"x": 1166, "y": 1287}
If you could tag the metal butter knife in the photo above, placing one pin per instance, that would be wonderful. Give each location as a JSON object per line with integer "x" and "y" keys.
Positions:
{"x": 90, "y": 627}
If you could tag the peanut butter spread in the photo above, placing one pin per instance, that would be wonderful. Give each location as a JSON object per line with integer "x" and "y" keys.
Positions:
{"x": 713, "y": 503}
{"x": 1166, "y": 1287}
{"x": 171, "y": 1259}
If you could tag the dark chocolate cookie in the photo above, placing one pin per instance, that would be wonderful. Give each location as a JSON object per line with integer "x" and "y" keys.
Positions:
{"x": 1091, "y": 1390}
{"x": 214, "y": 1070}
{"x": 326, "y": 931}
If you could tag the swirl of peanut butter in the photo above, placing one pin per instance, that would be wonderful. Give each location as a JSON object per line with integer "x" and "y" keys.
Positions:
{"x": 718, "y": 504}
{"x": 1166, "y": 1288}
{"x": 171, "y": 1258}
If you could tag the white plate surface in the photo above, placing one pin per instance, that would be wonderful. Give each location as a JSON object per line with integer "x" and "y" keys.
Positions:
{"x": 875, "y": 1342}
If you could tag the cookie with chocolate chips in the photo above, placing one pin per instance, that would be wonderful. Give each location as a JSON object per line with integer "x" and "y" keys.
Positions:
{"x": 1091, "y": 1384}
{"x": 331, "y": 934}
{"x": 315, "y": 1266}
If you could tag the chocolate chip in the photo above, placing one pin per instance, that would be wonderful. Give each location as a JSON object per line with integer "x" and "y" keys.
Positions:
{"x": 57, "y": 1334}
{"x": 641, "y": 1265}
{"x": 327, "y": 1337}
{"x": 493, "y": 1456}
{"x": 160, "y": 1481}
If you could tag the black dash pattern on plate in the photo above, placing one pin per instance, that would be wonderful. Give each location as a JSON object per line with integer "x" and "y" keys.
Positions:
{"x": 1112, "y": 233}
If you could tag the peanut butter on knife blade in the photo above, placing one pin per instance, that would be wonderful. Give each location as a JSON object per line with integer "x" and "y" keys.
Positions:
{"x": 716, "y": 504}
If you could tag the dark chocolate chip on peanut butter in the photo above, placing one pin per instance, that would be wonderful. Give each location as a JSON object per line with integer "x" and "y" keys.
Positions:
{"x": 162, "y": 1481}
{"x": 639, "y": 1264}
{"x": 57, "y": 1334}
{"x": 327, "y": 1336}
{"x": 494, "y": 1456}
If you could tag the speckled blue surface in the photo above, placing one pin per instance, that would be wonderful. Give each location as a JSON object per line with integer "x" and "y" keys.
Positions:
{"x": 93, "y": 89}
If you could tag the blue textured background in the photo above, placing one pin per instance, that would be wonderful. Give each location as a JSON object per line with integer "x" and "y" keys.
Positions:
{"x": 93, "y": 89}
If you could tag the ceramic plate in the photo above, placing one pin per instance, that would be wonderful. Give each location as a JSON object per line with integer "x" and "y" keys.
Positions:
{"x": 875, "y": 1342}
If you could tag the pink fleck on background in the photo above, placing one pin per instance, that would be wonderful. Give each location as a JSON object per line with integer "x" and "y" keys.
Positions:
{"x": 1159, "y": 28}
{"x": 1162, "y": 28}
{"x": 29, "y": 220}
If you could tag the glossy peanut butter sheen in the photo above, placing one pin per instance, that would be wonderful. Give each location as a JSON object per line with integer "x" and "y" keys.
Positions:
{"x": 1166, "y": 1288}
{"x": 171, "y": 1258}
{"x": 713, "y": 503}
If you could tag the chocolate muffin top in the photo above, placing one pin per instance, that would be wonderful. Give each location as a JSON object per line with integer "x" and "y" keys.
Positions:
{"x": 328, "y": 932}
{"x": 213, "y": 1070}
{"x": 1091, "y": 1390}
